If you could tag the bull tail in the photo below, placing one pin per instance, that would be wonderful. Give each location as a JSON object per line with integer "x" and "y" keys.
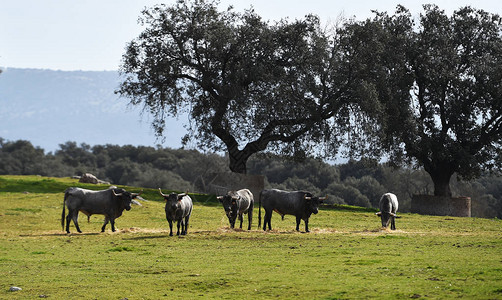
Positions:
{"x": 66, "y": 193}
{"x": 259, "y": 211}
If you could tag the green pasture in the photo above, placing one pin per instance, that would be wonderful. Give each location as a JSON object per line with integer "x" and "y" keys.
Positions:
{"x": 346, "y": 256}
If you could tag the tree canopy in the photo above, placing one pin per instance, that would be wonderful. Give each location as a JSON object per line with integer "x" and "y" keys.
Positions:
{"x": 246, "y": 85}
{"x": 439, "y": 81}
{"x": 426, "y": 92}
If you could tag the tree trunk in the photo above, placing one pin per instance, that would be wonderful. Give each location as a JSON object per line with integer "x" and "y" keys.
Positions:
{"x": 238, "y": 165}
{"x": 238, "y": 160}
{"x": 441, "y": 178}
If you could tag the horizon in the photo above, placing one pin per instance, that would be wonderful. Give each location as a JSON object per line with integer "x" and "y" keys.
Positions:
{"x": 49, "y": 108}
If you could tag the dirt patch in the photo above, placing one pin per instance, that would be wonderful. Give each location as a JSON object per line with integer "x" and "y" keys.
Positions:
{"x": 376, "y": 231}
{"x": 139, "y": 230}
{"x": 323, "y": 230}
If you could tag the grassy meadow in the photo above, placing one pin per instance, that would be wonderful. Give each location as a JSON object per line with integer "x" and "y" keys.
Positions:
{"x": 345, "y": 256}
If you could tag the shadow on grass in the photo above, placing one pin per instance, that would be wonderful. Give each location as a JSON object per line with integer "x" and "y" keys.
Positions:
{"x": 344, "y": 207}
{"x": 150, "y": 237}
{"x": 60, "y": 234}
{"x": 222, "y": 232}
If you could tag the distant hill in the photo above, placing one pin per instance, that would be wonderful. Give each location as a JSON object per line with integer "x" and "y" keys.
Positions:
{"x": 49, "y": 108}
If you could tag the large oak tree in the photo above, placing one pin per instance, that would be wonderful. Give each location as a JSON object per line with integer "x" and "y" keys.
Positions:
{"x": 246, "y": 85}
{"x": 439, "y": 81}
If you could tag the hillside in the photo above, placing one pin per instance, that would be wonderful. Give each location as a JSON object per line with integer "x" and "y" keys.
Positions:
{"x": 49, "y": 108}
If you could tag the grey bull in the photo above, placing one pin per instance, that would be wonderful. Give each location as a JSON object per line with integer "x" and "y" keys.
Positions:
{"x": 237, "y": 203}
{"x": 388, "y": 208}
{"x": 298, "y": 203}
{"x": 178, "y": 209}
{"x": 110, "y": 203}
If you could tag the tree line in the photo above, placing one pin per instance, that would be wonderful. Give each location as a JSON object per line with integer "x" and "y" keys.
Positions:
{"x": 359, "y": 183}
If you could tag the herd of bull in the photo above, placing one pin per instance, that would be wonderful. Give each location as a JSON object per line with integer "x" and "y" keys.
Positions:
{"x": 112, "y": 202}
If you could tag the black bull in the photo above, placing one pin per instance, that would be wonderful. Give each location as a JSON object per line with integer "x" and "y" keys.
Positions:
{"x": 299, "y": 204}
{"x": 110, "y": 203}
{"x": 178, "y": 209}
{"x": 237, "y": 203}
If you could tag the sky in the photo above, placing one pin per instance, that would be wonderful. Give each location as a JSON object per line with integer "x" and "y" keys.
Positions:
{"x": 91, "y": 35}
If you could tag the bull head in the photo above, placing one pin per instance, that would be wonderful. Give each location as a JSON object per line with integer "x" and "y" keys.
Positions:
{"x": 125, "y": 198}
{"x": 229, "y": 202}
{"x": 180, "y": 196}
{"x": 133, "y": 195}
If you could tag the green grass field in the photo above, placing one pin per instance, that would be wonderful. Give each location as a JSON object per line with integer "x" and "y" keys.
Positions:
{"x": 347, "y": 255}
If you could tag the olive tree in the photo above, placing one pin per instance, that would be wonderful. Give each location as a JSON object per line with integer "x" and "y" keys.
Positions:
{"x": 246, "y": 85}
{"x": 439, "y": 83}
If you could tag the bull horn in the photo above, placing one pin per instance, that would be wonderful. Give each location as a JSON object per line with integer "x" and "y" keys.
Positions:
{"x": 393, "y": 214}
{"x": 323, "y": 198}
{"x": 134, "y": 195}
{"x": 219, "y": 198}
{"x": 307, "y": 198}
{"x": 115, "y": 194}
{"x": 180, "y": 196}
{"x": 160, "y": 191}
{"x": 379, "y": 213}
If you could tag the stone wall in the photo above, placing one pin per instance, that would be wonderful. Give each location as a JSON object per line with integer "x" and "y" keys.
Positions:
{"x": 441, "y": 206}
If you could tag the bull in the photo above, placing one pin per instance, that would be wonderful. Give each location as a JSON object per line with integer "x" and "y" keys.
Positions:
{"x": 178, "y": 208}
{"x": 110, "y": 203}
{"x": 299, "y": 204}
{"x": 237, "y": 203}
{"x": 388, "y": 208}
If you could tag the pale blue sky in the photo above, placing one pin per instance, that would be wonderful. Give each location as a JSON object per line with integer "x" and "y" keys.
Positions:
{"x": 92, "y": 34}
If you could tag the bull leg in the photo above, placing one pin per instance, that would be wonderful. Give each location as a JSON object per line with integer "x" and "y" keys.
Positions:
{"x": 104, "y": 225}
{"x": 74, "y": 217}
{"x": 306, "y": 225}
{"x": 170, "y": 227}
{"x": 71, "y": 216}
{"x": 250, "y": 215}
{"x": 68, "y": 220}
{"x": 265, "y": 220}
{"x": 268, "y": 220}
{"x": 183, "y": 226}
{"x": 112, "y": 221}
{"x": 298, "y": 220}
{"x": 178, "y": 226}
{"x": 240, "y": 219}
{"x": 186, "y": 224}
{"x": 392, "y": 223}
